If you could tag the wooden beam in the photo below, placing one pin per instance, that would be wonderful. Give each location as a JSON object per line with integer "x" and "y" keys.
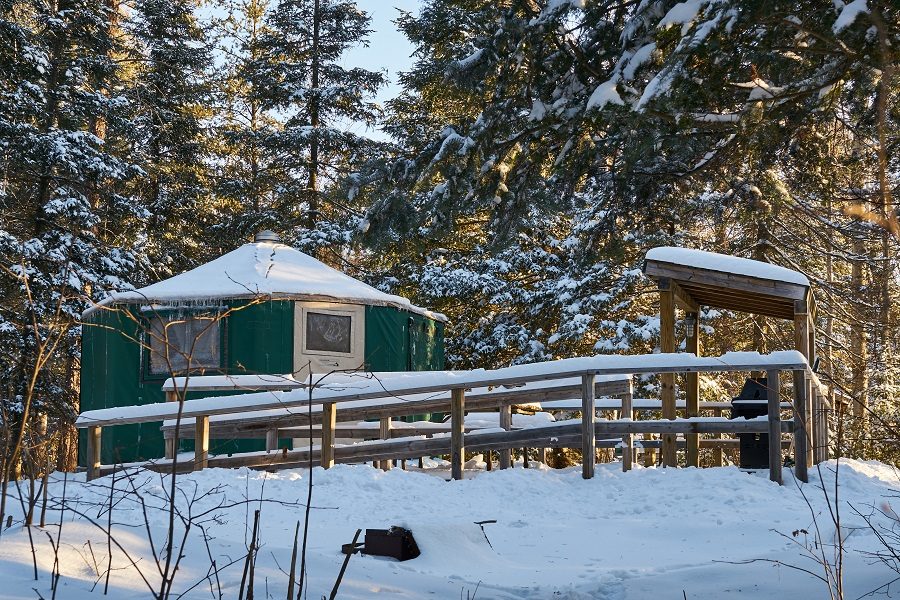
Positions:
{"x": 588, "y": 439}
{"x": 667, "y": 380}
{"x": 692, "y": 384}
{"x": 773, "y": 381}
{"x": 457, "y": 439}
{"x": 506, "y": 424}
{"x": 683, "y": 298}
{"x": 329, "y": 420}
{"x": 801, "y": 427}
{"x": 728, "y": 281}
{"x": 170, "y": 448}
{"x": 93, "y": 452}
{"x": 201, "y": 443}
{"x": 384, "y": 431}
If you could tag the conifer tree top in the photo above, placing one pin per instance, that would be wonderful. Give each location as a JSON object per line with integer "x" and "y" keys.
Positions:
{"x": 268, "y": 269}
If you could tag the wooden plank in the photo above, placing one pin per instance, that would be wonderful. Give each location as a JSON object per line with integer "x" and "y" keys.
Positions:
{"x": 722, "y": 279}
{"x": 667, "y": 380}
{"x": 170, "y": 447}
{"x": 627, "y": 439}
{"x": 588, "y": 439}
{"x": 457, "y": 439}
{"x": 761, "y": 305}
{"x": 93, "y": 452}
{"x": 201, "y": 443}
{"x": 385, "y": 433}
{"x": 692, "y": 385}
{"x": 506, "y": 424}
{"x": 801, "y": 459}
{"x": 773, "y": 379}
{"x": 329, "y": 420}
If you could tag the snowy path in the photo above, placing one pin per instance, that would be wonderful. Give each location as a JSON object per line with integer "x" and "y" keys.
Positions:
{"x": 648, "y": 533}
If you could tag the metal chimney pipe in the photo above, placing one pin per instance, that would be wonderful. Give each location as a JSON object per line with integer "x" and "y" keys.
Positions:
{"x": 267, "y": 235}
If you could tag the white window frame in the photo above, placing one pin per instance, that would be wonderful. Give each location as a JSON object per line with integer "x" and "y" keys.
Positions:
{"x": 324, "y": 361}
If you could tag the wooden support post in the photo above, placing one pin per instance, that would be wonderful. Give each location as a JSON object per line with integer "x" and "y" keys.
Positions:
{"x": 170, "y": 448}
{"x": 457, "y": 427}
{"x": 271, "y": 439}
{"x": 667, "y": 380}
{"x": 201, "y": 443}
{"x": 816, "y": 425}
{"x": 627, "y": 439}
{"x": 524, "y": 458}
{"x": 488, "y": 460}
{"x": 801, "y": 427}
{"x": 542, "y": 456}
{"x": 93, "y": 453}
{"x": 588, "y": 439}
{"x": 329, "y": 421}
{"x": 773, "y": 379}
{"x": 384, "y": 430}
{"x": 692, "y": 381}
{"x": 506, "y": 424}
{"x": 718, "y": 458}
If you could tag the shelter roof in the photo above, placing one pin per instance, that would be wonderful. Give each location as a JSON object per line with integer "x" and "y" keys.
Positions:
{"x": 701, "y": 278}
{"x": 263, "y": 269}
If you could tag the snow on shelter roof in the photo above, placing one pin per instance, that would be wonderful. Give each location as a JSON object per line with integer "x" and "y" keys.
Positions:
{"x": 268, "y": 269}
{"x": 713, "y": 261}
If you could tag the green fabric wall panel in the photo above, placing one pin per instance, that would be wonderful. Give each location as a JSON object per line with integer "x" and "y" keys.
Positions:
{"x": 387, "y": 344}
{"x": 260, "y": 338}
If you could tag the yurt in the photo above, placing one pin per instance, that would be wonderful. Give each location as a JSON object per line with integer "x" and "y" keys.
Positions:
{"x": 264, "y": 308}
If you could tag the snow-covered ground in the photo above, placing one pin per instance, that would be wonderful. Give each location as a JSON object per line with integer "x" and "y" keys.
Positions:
{"x": 650, "y": 533}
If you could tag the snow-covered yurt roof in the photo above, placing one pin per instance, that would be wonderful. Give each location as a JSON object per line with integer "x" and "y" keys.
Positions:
{"x": 263, "y": 268}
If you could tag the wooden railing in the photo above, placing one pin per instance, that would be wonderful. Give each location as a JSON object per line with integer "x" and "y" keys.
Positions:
{"x": 455, "y": 392}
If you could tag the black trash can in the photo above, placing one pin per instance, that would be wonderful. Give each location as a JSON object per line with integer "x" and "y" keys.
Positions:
{"x": 752, "y": 402}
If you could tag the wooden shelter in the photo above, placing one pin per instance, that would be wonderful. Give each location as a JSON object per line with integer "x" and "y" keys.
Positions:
{"x": 690, "y": 279}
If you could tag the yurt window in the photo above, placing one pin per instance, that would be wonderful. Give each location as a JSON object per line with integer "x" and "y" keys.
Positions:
{"x": 328, "y": 336}
{"x": 176, "y": 340}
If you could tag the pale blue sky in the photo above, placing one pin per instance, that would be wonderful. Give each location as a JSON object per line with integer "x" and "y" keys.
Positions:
{"x": 388, "y": 48}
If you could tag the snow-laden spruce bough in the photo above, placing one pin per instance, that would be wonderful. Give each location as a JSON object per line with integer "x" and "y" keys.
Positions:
{"x": 332, "y": 354}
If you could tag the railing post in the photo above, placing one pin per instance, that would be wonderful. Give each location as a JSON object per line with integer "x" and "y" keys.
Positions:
{"x": 773, "y": 379}
{"x": 506, "y": 424}
{"x": 588, "y": 439}
{"x": 201, "y": 443}
{"x": 93, "y": 452}
{"x": 718, "y": 458}
{"x": 170, "y": 448}
{"x": 384, "y": 430}
{"x": 272, "y": 439}
{"x": 801, "y": 426}
{"x": 627, "y": 439}
{"x": 457, "y": 425}
{"x": 329, "y": 422}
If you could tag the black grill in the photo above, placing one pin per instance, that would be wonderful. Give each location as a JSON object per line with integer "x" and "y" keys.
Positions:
{"x": 752, "y": 402}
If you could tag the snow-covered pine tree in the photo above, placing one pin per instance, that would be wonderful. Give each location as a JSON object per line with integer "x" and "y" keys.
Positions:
{"x": 299, "y": 75}
{"x": 170, "y": 95}
{"x": 67, "y": 228}
{"x": 247, "y": 180}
